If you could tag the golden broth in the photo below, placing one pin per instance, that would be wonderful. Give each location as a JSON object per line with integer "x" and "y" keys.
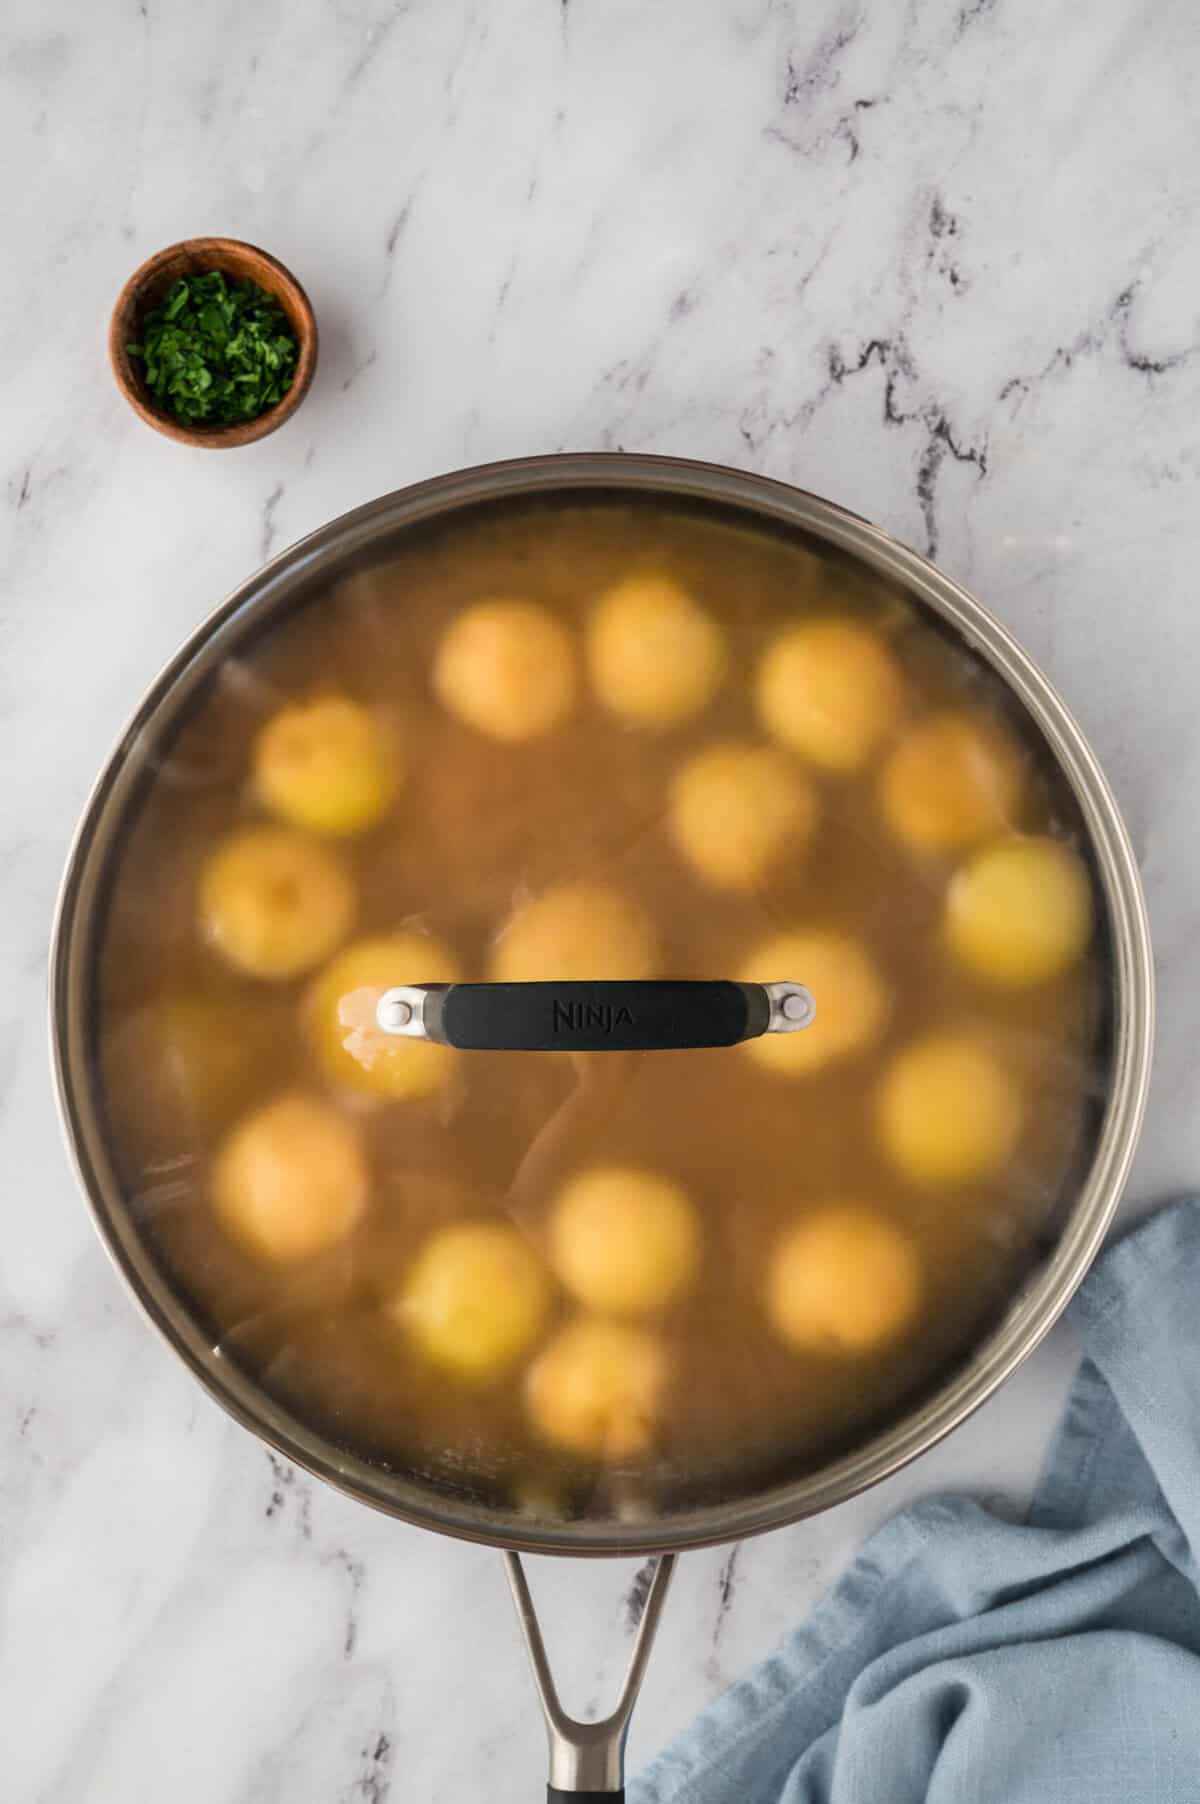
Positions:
{"x": 188, "y": 1046}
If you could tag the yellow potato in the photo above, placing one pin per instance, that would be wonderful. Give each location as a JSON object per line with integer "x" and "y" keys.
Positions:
{"x": 952, "y": 781}
{"x": 831, "y": 690}
{"x": 597, "y": 1389}
{"x": 842, "y": 1281}
{"x": 656, "y": 657}
{"x": 341, "y": 1007}
{"x": 1020, "y": 911}
{"x": 507, "y": 668}
{"x": 623, "y": 1240}
{"x": 576, "y": 932}
{"x": 948, "y": 1111}
{"x": 291, "y": 1180}
{"x": 328, "y": 765}
{"x": 275, "y": 903}
{"x": 852, "y": 999}
{"x": 736, "y": 809}
{"x": 476, "y": 1297}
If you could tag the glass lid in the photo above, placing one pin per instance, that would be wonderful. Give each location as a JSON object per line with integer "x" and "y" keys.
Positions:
{"x": 596, "y": 1005}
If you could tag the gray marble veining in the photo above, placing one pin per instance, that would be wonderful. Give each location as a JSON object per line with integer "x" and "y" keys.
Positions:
{"x": 936, "y": 260}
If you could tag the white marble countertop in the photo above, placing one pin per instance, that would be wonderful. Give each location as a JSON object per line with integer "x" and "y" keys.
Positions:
{"x": 938, "y": 261}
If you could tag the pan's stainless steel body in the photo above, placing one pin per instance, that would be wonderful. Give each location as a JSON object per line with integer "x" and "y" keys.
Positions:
{"x": 586, "y": 1758}
{"x": 309, "y": 566}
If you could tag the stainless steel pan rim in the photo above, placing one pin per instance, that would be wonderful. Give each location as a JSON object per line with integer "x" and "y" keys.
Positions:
{"x": 1044, "y": 1296}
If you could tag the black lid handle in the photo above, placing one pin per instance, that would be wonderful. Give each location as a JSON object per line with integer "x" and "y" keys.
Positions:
{"x": 652, "y": 1016}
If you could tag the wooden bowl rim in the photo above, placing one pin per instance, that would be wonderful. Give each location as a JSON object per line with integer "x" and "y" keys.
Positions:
{"x": 232, "y": 255}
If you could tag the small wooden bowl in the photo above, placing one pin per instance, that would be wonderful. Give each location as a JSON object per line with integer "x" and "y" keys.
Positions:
{"x": 146, "y": 288}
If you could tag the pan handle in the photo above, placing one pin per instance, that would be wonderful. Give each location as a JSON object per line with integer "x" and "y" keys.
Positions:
{"x": 633, "y": 1016}
{"x": 587, "y": 1760}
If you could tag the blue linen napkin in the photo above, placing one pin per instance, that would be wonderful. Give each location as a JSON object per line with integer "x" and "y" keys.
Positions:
{"x": 967, "y": 1660}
